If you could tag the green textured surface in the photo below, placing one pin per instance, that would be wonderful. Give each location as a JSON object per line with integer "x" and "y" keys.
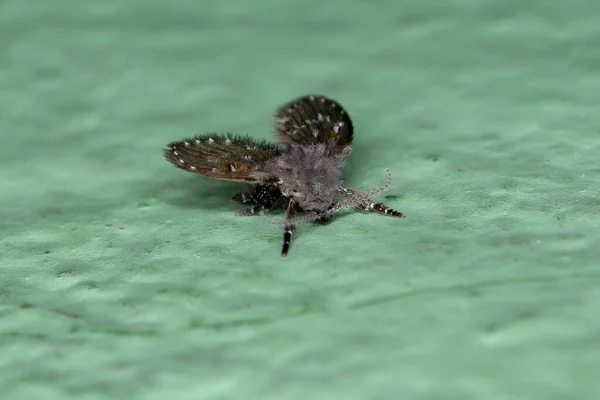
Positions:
{"x": 122, "y": 277}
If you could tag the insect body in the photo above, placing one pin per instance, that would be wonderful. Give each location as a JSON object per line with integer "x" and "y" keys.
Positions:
{"x": 301, "y": 174}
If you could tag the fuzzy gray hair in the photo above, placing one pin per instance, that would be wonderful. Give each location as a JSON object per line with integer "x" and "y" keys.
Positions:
{"x": 310, "y": 174}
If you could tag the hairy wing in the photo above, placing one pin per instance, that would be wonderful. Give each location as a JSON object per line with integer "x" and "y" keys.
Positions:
{"x": 217, "y": 156}
{"x": 313, "y": 119}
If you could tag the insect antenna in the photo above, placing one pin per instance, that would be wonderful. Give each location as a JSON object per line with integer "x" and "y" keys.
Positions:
{"x": 376, "y": 191}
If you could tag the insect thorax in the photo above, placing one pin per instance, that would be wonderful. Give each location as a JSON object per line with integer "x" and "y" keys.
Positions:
{"x": 310, "y": 174}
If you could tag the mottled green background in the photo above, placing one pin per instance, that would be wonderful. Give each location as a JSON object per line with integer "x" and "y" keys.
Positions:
{"x": 122, "y": 277}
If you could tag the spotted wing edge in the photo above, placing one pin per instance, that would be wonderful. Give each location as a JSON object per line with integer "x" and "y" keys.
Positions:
{"x": 308, "y": 117}
{"x": 229, "y": 157}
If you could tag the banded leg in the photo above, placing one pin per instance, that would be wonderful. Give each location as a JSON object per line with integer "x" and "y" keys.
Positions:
{"x": 381, "y": 208}
{"x": 365, "y": 203}
{"x": 324, "y": 217}
{"x": 289, "y": 230}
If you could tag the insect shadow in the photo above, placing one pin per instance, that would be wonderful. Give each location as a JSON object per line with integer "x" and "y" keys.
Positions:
{"x": 190, "y": 193}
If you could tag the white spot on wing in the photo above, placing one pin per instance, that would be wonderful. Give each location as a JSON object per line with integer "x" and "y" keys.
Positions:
{"x": 336, "y": 127}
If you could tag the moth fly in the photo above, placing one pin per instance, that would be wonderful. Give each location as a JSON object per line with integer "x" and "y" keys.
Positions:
{"x": 301, "y": 174}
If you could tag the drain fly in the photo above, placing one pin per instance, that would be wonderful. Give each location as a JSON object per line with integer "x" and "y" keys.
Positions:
{"x": 301, "y": 174}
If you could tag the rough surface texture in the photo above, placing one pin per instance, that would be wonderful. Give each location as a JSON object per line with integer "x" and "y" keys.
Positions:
{"x": 122, "y": 277}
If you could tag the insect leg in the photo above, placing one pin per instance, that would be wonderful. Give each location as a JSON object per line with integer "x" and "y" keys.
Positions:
{"x": 244, "y": 198}
{"x": 289, "y": 230}
{"x": 364, "y": 202}
{"x": 381, "y": 208}
{"x": 254, "y": 210}
{"x": 263, "y": 198}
